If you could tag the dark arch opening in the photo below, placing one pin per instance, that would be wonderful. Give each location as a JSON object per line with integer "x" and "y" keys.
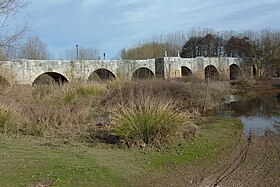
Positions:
{"x": 211, "y": 73}
{"x": 50, "y": 78}
{"x": 185, "y": 72}
{"x": 254, "y": 70}
{"x": 101, "y": 75}
{"x": 235, "y": 71}
{"x": 3, "y": 84}
{"x": 143, "y": 73}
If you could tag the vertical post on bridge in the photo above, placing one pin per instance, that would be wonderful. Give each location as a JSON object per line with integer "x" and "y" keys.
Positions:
{"x": 77, "y": 49}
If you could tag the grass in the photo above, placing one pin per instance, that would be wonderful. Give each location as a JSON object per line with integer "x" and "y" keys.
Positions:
{"x": 70, "y": 115}
{"x": 148, "y": 119}
{"x": 24, "y": 162}
{"x": 10, "y": 119}
{"x": 215, "y": 137}
{"x": 70, "y": 111}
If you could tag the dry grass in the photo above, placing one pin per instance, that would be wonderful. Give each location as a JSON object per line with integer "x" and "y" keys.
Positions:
{"x": 73, "y": 111}
{"x": 9, "y": 119}
{"x": 149, "y": 120}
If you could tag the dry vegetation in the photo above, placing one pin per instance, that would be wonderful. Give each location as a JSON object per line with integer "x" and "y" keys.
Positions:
{"x": 182, "y": 148}
{"x": 153, "y": 112}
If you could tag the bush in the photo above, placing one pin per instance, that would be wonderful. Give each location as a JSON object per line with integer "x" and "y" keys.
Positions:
{"x": 70, "y": 93}
{"x": 9, "y": 119}
{"x": 243, "y": 84}
{"x": 148, "y": 119}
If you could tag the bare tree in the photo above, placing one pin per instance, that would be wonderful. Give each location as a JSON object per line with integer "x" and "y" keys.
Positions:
{"x": 34, "y": 49}
{"x": 266, "y": 52}
{"x": 238, "y": 47}
{"x": 84, "y": 53}
{"x": 156, "y": 46}
{"x": 10, "y": 34}
{"x": 209, "y": 46}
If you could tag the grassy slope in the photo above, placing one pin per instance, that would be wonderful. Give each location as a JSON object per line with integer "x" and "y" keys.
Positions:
{"x": 25, "y": 162}
{"x": 215, "y": 136}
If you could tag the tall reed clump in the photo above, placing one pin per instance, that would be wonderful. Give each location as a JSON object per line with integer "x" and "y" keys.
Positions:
{"x": 67, "y": 110}
{"x": 148, "y": 119}
{"x": 73, "y": 92}
{"x": 10, "y": 119}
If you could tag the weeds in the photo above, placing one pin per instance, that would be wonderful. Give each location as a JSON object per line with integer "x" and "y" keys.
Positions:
{"x": 9, "y": 120}
{"x": 149, "y": 120}
{"x": 154, "y": 112}
{"x": 243, "y": 84}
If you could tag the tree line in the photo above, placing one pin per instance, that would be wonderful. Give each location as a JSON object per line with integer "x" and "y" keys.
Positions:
{"x": 261, "y": 48}
{"x": 35, "y": 49}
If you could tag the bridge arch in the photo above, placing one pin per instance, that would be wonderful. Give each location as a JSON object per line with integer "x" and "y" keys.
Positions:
{"x": 143, "y": 73}
{"x": 211, "y": 72}
{"x": 185, "y": 71}
{"x": 234, "y": 71}
{"x": 101, "y": 74}
{"x": 50, "y": 78}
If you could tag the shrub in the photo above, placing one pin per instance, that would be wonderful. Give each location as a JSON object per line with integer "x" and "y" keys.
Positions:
{"x": 68, "y": 97}
{"x": 243, "y": 84}
{"x": 9, "y": 119}
{"x": 148, "y": 119}
{"x": 69, "y": 93}
{"x": 90, "y": 91}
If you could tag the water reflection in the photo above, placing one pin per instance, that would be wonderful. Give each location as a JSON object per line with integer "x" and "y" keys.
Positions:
{"x": 258, "y": 114}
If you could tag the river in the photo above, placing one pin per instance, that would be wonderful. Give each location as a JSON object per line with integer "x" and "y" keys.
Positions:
{"x": 258, "y": 113}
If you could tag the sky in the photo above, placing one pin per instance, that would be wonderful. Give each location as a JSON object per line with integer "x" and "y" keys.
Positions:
{"x": 110, "y": 25}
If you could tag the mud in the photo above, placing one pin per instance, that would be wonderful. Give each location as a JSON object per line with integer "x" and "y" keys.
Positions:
{"x": 254, "y": 162}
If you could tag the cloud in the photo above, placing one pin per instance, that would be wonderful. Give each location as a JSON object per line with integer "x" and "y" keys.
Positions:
{"x": 113, "y": 24}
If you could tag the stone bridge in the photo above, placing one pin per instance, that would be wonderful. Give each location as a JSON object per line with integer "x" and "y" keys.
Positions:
{"x": 30, "y": 72}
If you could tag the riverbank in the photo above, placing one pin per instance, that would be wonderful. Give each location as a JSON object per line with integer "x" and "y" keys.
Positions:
{"x": 65, "y": 135}
{"x": 31, "y": 161}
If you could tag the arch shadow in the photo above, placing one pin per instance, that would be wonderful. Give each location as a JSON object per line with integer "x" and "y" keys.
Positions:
{"x": 49, "y": 78}
{"x": 143, "y": 73}
{"x": 101, "y": 75}
{"x": 185, "y": 71}
{"x": 235, "y": 71}
{"x": 254, "y": 71}
{"x": 211, "y": 73}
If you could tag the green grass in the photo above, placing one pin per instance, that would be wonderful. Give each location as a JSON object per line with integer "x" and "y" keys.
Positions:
{"x": 150, "y": 120}
{"x": 24, "y": 162}
{"x": 83, "y": 91}
{"x": 215, "y": 137}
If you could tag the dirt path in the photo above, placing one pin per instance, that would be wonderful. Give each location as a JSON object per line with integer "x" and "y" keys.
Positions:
{"x": 256, "y": 162}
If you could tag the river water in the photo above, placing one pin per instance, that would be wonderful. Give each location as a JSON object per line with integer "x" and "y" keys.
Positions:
{"x": 258, "y": 113}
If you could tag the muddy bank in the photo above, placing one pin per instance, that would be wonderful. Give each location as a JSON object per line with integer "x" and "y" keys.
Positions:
{"x": 254, "y": 162}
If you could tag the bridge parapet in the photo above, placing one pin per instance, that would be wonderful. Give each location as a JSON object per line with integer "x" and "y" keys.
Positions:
{"x": 22, "y": 71}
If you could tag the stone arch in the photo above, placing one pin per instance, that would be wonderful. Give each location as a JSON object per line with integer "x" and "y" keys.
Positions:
{"x": 211, "y": 72}
{"x": 101, "y": 74}
{"x": 143, "y": 73}
{"x": 185, "y": 71}
{"x": 4, "y": 83}
{"x": 234, "y": 71}
{"x": 50, "y": 78}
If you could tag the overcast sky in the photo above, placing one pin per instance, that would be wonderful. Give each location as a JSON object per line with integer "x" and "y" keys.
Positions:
{"x": 110, "y": 25}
